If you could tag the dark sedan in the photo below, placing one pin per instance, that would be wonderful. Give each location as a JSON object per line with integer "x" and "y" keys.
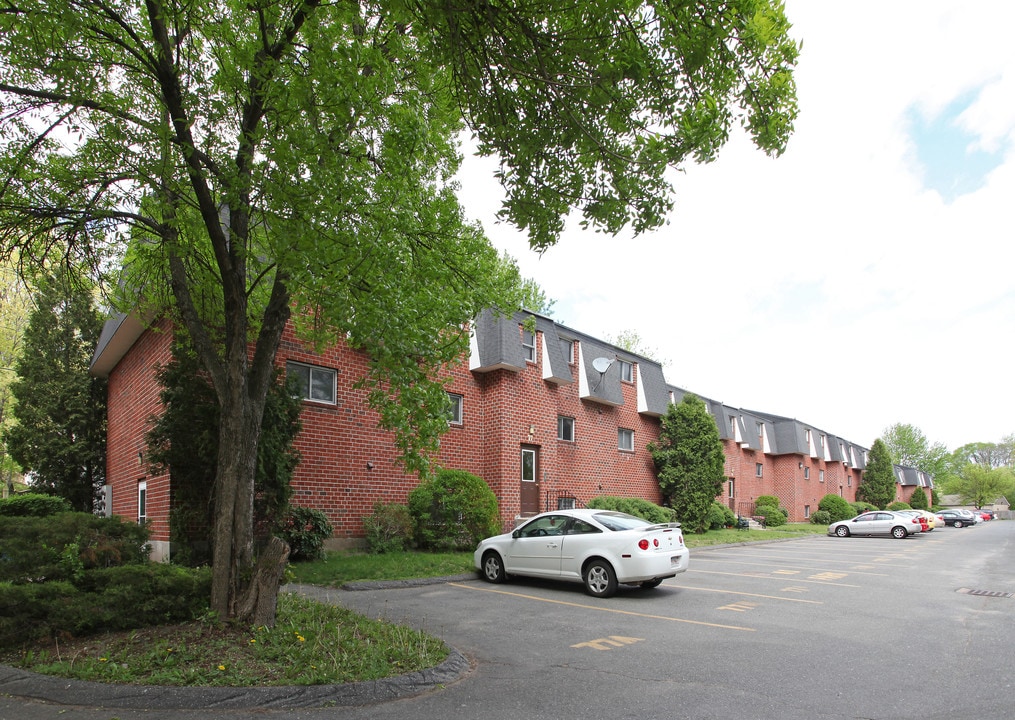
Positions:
{"x": 954, "y": 518}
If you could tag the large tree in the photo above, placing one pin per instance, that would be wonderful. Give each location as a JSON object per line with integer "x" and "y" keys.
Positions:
{"x": 689, "y": 461}
{"x": 878, "y": 483}
{"x": 264, "y": 156}
{"x": 60, "y": 435}
{"x": 909, "y": 447}
{"x": 981, "y": 485}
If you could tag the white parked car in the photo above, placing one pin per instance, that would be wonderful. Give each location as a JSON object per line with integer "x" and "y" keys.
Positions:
{"x": 600, "y": 548}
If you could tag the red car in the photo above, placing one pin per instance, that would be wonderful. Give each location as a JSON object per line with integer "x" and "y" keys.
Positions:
{"x": 924, "y": 523}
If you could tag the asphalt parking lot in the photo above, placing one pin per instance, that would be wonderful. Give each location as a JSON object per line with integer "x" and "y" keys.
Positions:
{"x": 818, "y": 627}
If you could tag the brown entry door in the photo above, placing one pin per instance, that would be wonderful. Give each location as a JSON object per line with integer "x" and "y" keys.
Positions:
{"x": 530, "y": 480}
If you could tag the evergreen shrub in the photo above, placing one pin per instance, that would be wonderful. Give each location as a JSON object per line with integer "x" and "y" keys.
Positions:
{"x": 860, "y": 507}
{"x": 114, "y": 598}
{"x": 773, "y": 514}
{"x": 634, "y": 506}
{"x": 453, "y": 510}
{"x": 898, "y": 506}
{"x": 821, "y": 517}
{"x": 60, "y": 547}
{"x": 33, "y": 505}
{"x": 720, "y": 516}
{"x": 837, "y": 507}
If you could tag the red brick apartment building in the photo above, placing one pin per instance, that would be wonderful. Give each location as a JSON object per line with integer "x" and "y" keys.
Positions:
{"x": 547, "y": 418}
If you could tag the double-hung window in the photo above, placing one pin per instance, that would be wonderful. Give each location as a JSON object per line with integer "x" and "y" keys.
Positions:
{"x": 626, "y": 371}
{"x": 625, "y": 439}
{"x": 529, "y": 345}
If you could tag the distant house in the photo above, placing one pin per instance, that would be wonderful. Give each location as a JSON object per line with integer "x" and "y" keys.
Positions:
{"x": 1000, "y": 505}
{"x": 546, "y": 414}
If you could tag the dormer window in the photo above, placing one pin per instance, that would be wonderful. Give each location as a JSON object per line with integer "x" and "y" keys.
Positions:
{"x": 529, "y": 345}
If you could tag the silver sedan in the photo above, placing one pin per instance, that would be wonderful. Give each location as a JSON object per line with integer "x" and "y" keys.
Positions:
{"x": 880, "y": 522}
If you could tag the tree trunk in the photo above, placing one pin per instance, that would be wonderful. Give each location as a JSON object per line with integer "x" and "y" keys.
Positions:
{"x": 260, "y": 600}
{"x": 234, "y": 490}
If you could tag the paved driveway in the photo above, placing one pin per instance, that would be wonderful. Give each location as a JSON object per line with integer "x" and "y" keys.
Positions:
{"x": 812, "y": 628}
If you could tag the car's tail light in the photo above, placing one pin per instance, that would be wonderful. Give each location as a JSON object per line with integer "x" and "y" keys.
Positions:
{"x": 643, "y": 544}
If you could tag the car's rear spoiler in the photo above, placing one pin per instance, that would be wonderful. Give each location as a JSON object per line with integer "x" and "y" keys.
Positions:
{"x": 664, "y": 526}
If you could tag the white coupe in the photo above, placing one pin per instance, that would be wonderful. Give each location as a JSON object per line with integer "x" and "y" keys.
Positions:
{"x": 600, "y": 548}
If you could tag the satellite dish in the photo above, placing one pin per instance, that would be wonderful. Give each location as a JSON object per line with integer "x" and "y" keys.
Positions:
{"x": 601, "y": 364}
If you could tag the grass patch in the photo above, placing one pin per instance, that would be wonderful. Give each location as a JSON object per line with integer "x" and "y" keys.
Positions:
{"x": 311, "y": 644}
{"x": 730, "y": 536}
{"x": 341, "y": 567}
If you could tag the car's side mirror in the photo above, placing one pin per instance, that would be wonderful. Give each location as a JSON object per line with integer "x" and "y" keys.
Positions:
{"x": 516, "y": 534}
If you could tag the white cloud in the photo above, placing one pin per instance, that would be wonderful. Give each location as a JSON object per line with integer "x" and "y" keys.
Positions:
{"x": 829, "y": 284}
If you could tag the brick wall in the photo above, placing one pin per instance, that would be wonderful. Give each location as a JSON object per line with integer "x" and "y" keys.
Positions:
{"x": 348, "y": 463}
{"x": 133, "y": 399}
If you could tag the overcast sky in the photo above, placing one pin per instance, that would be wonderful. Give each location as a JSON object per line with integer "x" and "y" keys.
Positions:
{"x": 862, "y": 279}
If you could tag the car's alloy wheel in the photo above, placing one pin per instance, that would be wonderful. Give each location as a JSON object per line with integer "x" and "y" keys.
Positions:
{"x": 842, "y": 531}
{"x": 600, "y": 580}
{"x": 958, "y": 523}
{"x": 493, "y": 567}
{"x": 899, "y": 532}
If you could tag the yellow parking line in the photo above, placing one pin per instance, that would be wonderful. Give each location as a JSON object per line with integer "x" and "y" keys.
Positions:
{"x": 768, "y": 577}
{"x": 781, "y": 568}
{"x": 747, "y": 594}
{"x": 601, "y": 609}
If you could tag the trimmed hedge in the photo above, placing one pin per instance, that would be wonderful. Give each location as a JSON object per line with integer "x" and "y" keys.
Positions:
{"x": 837, "y": 508}
{"x": 821, "y": 517}
{"x": 33, "y": 505}
{"x": 453, "y": 511}
{"x": 634, "y": 506}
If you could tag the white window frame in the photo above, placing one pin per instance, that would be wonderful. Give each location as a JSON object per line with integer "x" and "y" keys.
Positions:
{"x": 625, "y": 439}
{"x": 565, "y": 428}
{"x": 567, "y": 346}
{"x": 457, "y": 409}
{"x": 626, "y": 371}
{"x": 529, "y": 345}
{"x": 759, "y": 470}
{"x": 528, "y": 465}
{"x": 142, "y": 502}
{"x": 311, "y": 388}
{"x": 732, "y": 487}
{"x": 807, "y": 472}
{"x": 821, "y": 475}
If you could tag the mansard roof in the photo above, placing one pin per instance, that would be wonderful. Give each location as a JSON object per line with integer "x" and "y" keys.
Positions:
{"x": 497, "y": 345}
